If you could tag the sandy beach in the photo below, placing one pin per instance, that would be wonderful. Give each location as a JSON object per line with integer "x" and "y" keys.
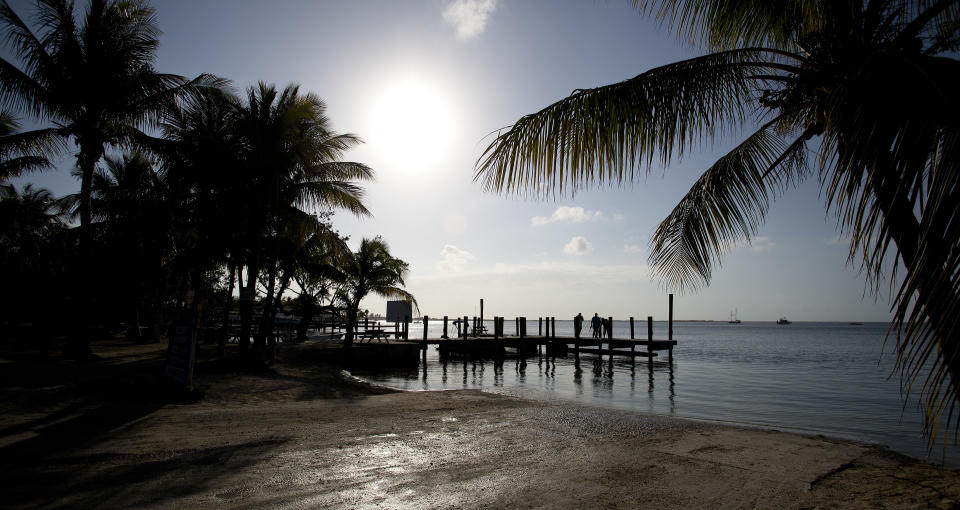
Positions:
{"x": 299, "y": 435}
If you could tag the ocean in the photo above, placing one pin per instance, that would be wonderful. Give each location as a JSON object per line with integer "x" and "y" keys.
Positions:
{"x": 834, "y": 379}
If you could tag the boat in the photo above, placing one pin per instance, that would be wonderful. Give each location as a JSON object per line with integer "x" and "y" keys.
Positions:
{"x": 733, "y": 317}
{"x": 783, "y": 320}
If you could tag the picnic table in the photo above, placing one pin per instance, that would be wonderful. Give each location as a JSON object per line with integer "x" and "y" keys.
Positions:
{"x": 370, "y": 334}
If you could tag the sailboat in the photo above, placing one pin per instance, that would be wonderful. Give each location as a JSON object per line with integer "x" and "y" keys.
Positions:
{"x": 733, "y": 317}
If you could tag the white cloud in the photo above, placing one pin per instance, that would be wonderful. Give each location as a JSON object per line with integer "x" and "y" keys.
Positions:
{"x": 469, "y": 17}
{"x": 454, "y": 259}
{"x": 837, "y": 240}
{"x": 756, "y": 245}
{"x": 578, "y": 246}
{"x": 761, "y": 244}
{"x": 566, "y": 273}
{"x": 565, "y": 214}
{"x": 633, "y": 248}
{"x": 454, "y": 224}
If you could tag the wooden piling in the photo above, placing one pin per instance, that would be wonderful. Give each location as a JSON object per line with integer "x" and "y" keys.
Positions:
{"x": 610, "y": 329}
{"x": 523, "y": 327}
{"x": 553, "y": 327}
{"x": 466, "y": 326}
{"x": 516, "y": 321}
{"x": 670, "y": 322}
{"x": 649, "y": 333}
{"x": 631, "y": 329}
{"x": 444, "y": 328}
{"x": 539, "y": 326}
{"x": 426, "y": 326}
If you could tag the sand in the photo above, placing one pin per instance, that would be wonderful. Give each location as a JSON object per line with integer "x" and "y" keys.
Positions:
{"x": 308, "y": 436}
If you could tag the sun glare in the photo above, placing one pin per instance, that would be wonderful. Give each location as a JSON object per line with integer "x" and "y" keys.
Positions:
{"x": 412, "y": 123}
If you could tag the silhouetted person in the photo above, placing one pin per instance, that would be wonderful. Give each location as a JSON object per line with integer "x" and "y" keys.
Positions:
{"x": 607, "y": 325}
{"x": 577, "y": 325}
{"x": 596, "y": 322}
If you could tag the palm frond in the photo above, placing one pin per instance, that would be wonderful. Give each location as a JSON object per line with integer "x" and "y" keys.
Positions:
{"x": 598, "y": 136}
{"x": 724, "y": 207}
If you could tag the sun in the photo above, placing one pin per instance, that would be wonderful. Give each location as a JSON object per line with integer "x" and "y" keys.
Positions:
{"x": 412, "y": 123}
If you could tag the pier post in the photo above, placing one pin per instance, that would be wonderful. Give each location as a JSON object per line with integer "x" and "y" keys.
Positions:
{"x": 539, "y": 326}
{"x": 610, "y": 331}
{"x": 426, "y": 327}
{"x": 466, "y": 326}
{"x": 670, "y": 323}
{"x": 516, "y": 321}
{"x": 444, "y": 328}
{"x": 649, "y": 334}
{"x": 406, "y": 327}
{"x": 481, "y": 313}
{"x": 631, "y": 328}
{"x": 553, "y": 327}
{"x": 523, "y": 327}
{"x": 496, "y": 327}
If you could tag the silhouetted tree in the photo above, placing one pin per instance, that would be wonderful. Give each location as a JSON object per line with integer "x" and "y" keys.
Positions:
{"x": 21, "y": 153}
{"x": 868, "y": 87}
{"x": 290, "y": 159}
{"x": 371, "y": 269}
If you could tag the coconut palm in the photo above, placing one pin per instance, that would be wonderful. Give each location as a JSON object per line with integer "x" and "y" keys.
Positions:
{"x": 92, "y": 78}
{"x": 30, "y": 243}
{"x": 867, "y": 88}
{"x": 371, "y": 269}
{"x": 23, "y": 152}
{"x": 290, "y": 160}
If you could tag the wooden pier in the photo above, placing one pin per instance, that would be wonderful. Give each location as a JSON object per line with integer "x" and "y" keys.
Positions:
{"x": 556, "y": 346}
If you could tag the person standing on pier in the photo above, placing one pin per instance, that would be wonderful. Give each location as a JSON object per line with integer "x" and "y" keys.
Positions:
{"x": 595, "y": 323}
{"x": 577, "y": 325}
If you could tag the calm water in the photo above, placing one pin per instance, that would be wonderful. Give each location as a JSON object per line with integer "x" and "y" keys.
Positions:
{"x": 826, "y": 378}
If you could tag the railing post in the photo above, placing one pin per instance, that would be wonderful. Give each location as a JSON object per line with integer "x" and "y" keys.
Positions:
{"x": 631, "y": 328}
{"x": 670, "y": 323}
{"x": 649, "y": 334}
{"x": 444, "y": 328}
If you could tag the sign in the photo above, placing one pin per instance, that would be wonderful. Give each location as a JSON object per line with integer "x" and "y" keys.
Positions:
{"x": 180, "y": 353}
{"x": 397, "y": 311}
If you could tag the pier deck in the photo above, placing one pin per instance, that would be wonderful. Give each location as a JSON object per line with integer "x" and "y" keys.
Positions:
{"x": 609, "y": 346}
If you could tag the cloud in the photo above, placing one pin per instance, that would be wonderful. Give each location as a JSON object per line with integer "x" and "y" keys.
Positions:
{"x": 578, "y": 246}
{"x": 634, "y": 248}
{"x": 566, "y": 273}
{"x": 761, "y": 244}
{"x": 756, "y": 245}
{"x": 454, "y": 259}
{"x": 469, "y": 17}
{"x": 837, "y": 240}
{"x": 565, "y": 214}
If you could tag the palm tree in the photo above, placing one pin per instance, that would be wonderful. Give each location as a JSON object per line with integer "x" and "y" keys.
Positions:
{"x": 290, "y": 160}
{"x": 134, "y": 219}
{"x": 28, "y": 240}
{"x": 371, "y": 269}
{"x": 23, "y": 152}
{"x": 93, "y": 79}
{"x": 867, "y": 87}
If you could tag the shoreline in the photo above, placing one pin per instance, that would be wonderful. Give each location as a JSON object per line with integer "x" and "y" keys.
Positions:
{"x": 301, "y": 435}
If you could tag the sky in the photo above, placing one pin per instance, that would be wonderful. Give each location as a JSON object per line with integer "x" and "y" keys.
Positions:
{"x": 426, "y": 82}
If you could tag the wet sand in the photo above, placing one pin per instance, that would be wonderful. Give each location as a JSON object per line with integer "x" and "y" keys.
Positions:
{"x": 302, "y": 436}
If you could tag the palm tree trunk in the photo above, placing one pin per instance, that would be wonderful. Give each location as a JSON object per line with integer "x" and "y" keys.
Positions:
{"x": 352, "y": 312}
{"x": 265, "y": 330}
{"x": 87, "y": 162}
